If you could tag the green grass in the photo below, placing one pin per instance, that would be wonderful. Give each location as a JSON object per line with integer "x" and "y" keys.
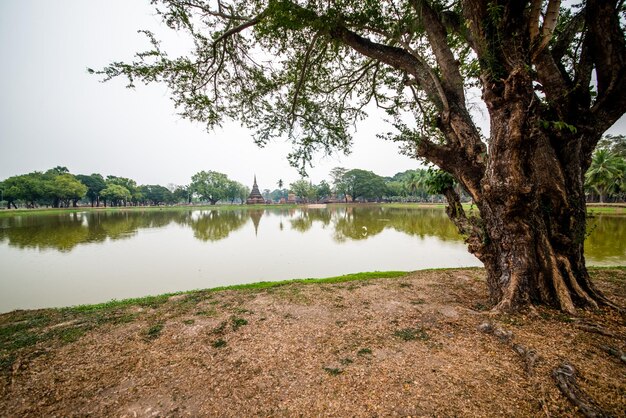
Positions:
{"x": 199, "y": 295}
{"x": 156, "y": 301}
{"x": 616, "y": 208}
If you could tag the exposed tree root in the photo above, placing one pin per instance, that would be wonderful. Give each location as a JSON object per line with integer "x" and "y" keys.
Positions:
{"x": 529, "y": 356}
{"x": 565, "y": 376}
{"x": 615, "y": 352}
{"x": 597, "y": 329}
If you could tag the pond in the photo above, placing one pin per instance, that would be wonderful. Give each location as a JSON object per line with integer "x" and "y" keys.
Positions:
{"x": 66, "y": 259}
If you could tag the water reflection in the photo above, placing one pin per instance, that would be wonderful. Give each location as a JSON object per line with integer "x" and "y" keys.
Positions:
{"x": 606, "y": 242}
{"x": 216, "y": 225}
{"x": 66, "y": 231}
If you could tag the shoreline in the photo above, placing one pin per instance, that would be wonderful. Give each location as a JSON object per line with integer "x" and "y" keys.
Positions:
{"x": 354, "y": 345}
{"x": 592, "y": 208}
{"x": 261, "y": 285}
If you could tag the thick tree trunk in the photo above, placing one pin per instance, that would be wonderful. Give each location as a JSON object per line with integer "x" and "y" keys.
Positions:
{"x": 531, "y": 231}
{"x": 531, "y": 261}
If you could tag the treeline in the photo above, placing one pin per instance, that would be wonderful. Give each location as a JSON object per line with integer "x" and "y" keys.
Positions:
{"x": 357, "y": 185}
{"x": 58, "y": 188}
{"x": 605, "y": 181}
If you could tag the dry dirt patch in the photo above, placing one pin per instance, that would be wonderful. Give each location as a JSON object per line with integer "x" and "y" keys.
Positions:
{"x": 408, "y": 346}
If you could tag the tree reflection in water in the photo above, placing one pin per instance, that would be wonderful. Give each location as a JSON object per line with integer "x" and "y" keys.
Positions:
{"x": 606, "y": 241}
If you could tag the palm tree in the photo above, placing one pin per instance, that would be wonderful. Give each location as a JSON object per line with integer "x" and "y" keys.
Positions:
{"x": 605, "y": 174}
{"x": 280, "y": 184}
{"x": 414, "y": 181}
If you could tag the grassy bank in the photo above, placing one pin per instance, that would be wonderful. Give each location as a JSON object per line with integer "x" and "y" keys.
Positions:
{"x": 158, "y": 299}
{"x": 24, "y": 328}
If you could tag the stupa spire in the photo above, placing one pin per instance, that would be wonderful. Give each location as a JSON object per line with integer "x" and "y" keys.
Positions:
{"x": 255, "y": 198}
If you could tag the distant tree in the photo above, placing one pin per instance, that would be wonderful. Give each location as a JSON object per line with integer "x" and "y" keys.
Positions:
{"x": 278, "y": 194}
{"x": 280, "y": 183}
{"x": 181, "y": 194}
{"x": 396, "y": 189}
{"x": 244, "y": 192}
{"x": 64, "y": 188}
{"x": 29, "y": 188}
{"x": 312, "y": 193}
{"x": 115, "y": 194}
{"x": 210, "y": 186}
{"x": 236, "y": 191}
{"x": 155, "y": 194}
{"x": 363, "y": 184}
{"x": 337, "y": 179}
{"x": 301, "y": 188}
{"x": 26, "y": 188}
{"x": 128, "y": 184}
{"x": 95, "y": 184}
{"x": 58, "y": 170}
{"x": 323, "y": 190}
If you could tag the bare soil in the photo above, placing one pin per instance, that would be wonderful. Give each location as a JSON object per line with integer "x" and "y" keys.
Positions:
{"x": 421, "y": 345}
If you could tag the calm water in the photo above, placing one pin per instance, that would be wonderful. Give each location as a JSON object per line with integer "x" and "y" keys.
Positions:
{"x": 68, "y": 259}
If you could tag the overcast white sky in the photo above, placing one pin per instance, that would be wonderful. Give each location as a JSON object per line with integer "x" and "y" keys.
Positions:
{"x": 53, "y": 113}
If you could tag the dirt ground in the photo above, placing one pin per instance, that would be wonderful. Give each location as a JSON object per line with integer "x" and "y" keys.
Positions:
{"x": 421, "y": 345}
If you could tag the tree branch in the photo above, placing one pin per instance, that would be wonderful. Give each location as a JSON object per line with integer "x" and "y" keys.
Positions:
{"x": 392, "y": 56}
{"x": 240, "y": 28}
{"x": 437, "y": 37}
{"x": 549, "y": 23}
{"x": 533, "y": 20}
{"x": 608, "y": 53}
{"x": 302, "y": 77}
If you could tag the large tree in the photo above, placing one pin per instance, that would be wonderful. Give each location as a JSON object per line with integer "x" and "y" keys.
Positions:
{"x": 63, "y": 188}
{"x": 95, "y": 184}
{"x": 552, "y": 80}
{"x": 210, "y": 185}
{"x": 363, "y": 184}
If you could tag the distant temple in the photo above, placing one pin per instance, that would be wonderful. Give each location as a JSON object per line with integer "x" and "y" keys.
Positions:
{"x": 255, "y": 197}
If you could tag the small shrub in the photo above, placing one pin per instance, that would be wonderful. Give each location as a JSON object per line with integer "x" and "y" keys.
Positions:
{"x": 238, "y": 323}
{"x": 364, "y": 352}
{"x": 154, "y": 331}
{"x": 219, "y": 329}
{"x": 410, "y": 334}
{"x": 333, "y": 371}
{"x": 219, "y": 343}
